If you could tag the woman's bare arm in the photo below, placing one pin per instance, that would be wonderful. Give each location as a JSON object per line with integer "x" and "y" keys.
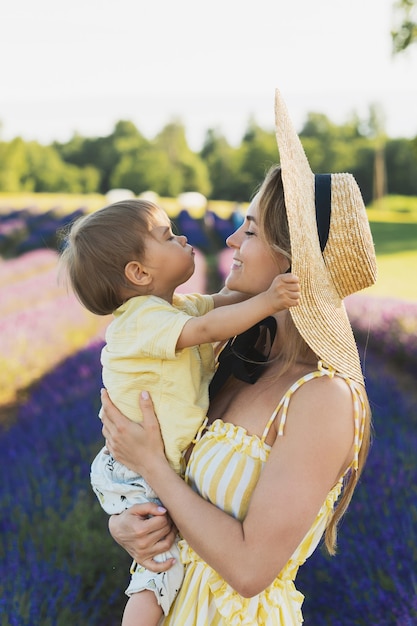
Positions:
{"x": 144, "y": 531}
{"x": 301, "y": 469}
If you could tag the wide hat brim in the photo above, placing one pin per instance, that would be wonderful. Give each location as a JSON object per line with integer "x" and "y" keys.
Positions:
{"x": 347, "y": 264}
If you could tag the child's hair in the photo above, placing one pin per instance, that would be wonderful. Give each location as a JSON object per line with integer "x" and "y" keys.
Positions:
{"x": 97, "y": 248}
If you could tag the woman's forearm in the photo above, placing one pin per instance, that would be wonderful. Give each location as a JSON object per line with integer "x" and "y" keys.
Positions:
{"x": 202, "y": 524}
{"x": 218, "y": 538}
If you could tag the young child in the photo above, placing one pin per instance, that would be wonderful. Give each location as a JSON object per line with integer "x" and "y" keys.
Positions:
{"x": 124, "y": 259}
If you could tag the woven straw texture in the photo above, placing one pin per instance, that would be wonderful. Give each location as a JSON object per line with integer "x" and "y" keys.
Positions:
{"x": 348, "y": 263}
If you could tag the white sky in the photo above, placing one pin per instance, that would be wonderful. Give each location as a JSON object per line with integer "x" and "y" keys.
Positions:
{"x": 82, "y": 65}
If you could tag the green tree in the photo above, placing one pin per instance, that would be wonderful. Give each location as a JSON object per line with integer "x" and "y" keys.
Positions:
{"x": 346, "y": 148}
{"x": 144, "y": 170}
{"x": 165, "y": 165}
{"x": 47, "y": 172}
{"x": 12, "y": 165}
{"x": 256, "y": 154}
{"x": 104, "y": 153}
{"x": 404, "y": 33}
{"x": 187, "y": 170}
{"x": 221, "y": 160}
{"x": 319, "y": 136}
{"x": 30, "y": 166}
{"x": 95, "y": 152}
{"x": 330, "y": 148}
{"x": 401, "y": 163}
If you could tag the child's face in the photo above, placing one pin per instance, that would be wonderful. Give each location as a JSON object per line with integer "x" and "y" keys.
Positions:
{"x": 168, "y": 257}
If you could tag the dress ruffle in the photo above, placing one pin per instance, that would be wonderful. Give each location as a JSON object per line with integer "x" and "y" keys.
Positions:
{"x": 280, "y": 603}
{"x": 238, "y": 438}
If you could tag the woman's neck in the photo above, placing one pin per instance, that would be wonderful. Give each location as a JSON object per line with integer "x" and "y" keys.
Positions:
{"x": 285, "y": 343}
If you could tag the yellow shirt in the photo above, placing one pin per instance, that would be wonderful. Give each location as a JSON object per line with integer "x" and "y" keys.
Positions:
{"x": 140, "y": 354}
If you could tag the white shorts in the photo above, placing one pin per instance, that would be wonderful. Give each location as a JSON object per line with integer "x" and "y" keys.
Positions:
{"x": 117, "y": 489}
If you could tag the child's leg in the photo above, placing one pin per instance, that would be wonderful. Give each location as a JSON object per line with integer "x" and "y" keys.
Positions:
{"x": 142, "y": 609}
{"x": 163, "y": 585}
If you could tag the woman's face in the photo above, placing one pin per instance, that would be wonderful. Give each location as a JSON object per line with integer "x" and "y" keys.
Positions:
{"x": 254, "y": 265}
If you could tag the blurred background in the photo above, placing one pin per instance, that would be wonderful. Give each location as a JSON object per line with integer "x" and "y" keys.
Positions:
{"x": 174, "y": 102}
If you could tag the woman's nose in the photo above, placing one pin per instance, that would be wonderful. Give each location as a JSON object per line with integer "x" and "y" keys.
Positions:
{"x": 232, "y": 240}
{"x": 183, "y": 240}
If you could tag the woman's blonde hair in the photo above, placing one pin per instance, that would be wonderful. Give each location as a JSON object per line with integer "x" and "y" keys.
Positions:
{"x": 97, "y": 248}
{"x": 273, "y": 228}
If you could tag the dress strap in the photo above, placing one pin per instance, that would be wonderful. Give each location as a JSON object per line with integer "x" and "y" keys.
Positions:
{"x": 359, "y": 408}
{"x": 200, "y": 431}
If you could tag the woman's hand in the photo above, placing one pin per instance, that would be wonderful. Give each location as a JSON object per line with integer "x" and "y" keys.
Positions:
{"x": 144, "y": 531}
{"x": 137, "y": 446}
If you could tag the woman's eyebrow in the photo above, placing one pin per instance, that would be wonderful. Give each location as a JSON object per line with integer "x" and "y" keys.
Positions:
{"x": 250, "y": 218}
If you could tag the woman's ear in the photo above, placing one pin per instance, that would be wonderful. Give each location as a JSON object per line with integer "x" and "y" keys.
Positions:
{"x": 137, "y": 274}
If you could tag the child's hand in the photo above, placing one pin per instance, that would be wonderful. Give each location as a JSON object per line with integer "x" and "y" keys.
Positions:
{"x": 284, "y": 291}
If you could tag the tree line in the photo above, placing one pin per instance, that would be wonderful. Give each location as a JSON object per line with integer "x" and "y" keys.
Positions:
{"x": 166, "y": 165}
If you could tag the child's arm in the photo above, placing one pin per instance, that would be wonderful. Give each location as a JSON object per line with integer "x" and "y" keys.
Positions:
{"x": 225, "y": 297}
{"x": 227, "y": 321}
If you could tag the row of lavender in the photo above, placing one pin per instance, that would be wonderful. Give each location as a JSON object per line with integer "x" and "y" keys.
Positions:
{"x": 24, "y": 230}
{"x": 387, "y": 325}
{"x": 59, "y": 566}
{"x": 41, "y": 323}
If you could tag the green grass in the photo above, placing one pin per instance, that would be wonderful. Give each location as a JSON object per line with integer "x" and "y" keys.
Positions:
{"x": 394, "y": 209}
{"x": 396, "y": 276}
{"x": 394, "y": 228}
{"x": 394, "y": 238}
{"x": 396, "y": 249}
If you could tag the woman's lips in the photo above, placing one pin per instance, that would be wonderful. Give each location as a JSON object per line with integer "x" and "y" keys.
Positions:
{"x": 236, "y": 264}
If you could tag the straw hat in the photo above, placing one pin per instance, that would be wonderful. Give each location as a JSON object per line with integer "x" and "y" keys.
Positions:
{"x": 347, "y": 263}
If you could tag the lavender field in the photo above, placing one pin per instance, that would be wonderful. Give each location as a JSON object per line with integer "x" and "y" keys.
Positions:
{"x": 58, "y": 565}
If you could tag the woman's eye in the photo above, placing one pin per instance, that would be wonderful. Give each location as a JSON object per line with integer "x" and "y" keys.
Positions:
{"x": 249, "y": 233}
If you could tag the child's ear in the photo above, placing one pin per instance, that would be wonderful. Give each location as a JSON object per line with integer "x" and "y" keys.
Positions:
{"x": 137, "y": 274}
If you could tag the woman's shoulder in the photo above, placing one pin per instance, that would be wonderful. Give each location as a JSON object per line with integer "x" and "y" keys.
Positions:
{"x": 319, "y": 417}
{"x": 323, "y": 397}
{"x": 326, "y": 388}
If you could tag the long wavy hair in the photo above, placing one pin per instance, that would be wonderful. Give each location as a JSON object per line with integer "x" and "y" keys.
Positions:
{"x": 273, "y": 228}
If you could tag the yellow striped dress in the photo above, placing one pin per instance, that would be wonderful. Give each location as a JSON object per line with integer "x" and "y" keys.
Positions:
{"x": 224, "y": 468}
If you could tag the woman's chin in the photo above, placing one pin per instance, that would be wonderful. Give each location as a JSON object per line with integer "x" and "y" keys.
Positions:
{"x": 230, "y": 283}
{"x": 233, "y": 284}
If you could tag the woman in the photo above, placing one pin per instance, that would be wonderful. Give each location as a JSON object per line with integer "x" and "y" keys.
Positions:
{"x": 280, "y": 458}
